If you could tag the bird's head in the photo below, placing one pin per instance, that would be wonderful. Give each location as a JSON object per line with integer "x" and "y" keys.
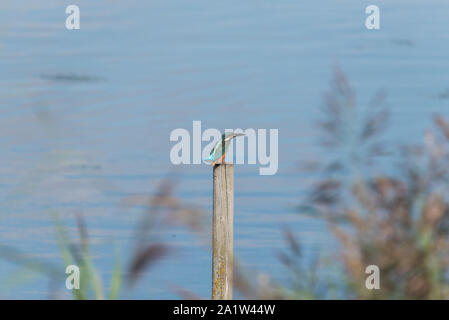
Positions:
{"x": 230, "y": 135}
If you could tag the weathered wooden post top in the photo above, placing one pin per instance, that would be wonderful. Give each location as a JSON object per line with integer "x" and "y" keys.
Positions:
{"x": 223, "y": 219}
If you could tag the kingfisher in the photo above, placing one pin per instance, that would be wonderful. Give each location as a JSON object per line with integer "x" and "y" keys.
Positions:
{"x": 218, "y": 152}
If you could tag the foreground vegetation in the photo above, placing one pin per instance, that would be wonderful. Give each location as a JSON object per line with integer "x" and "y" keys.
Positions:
{"x": 398, "y": 221}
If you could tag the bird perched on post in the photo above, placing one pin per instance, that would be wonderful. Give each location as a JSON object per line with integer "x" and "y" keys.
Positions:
{"x": 218, "y": 152}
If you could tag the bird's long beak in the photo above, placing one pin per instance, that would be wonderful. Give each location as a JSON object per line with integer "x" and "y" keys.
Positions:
{"x": 237, "y": 134}
{"x": 233, "y": 135}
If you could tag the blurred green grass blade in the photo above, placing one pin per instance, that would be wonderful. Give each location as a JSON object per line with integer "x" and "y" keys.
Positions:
{"x": 94, "y": 279}
{"x": 116, "y": 279}
{"x": 66, "y": 254}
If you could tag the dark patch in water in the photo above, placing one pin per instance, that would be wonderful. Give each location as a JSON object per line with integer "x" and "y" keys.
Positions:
{"x": 444, "y": 94}
{"x": 69, "y": 77}
{"x": 403, "y": 42}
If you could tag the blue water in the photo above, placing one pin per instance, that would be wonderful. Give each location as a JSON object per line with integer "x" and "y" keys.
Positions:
{"x": 137, "y": 70}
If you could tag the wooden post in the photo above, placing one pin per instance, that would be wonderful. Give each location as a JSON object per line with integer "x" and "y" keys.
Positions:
{"x": 223, "y": 232}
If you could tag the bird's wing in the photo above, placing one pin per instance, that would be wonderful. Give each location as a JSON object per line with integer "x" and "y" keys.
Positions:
{"x": 219, "y": 149}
